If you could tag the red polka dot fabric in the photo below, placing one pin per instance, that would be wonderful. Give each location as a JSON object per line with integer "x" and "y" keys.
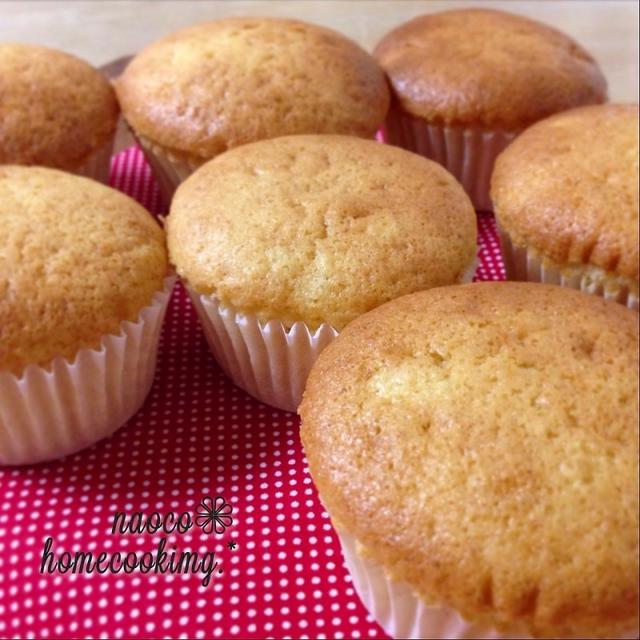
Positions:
{"x": 199, "y": 447}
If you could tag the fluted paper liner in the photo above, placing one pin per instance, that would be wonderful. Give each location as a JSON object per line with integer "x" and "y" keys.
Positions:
{"x": 466, "y": 152}
{"x": 97, "y": 166}
{"x": 269, "y": 360}
{"x": 50, "y": 412}
{"x": 522, "y": 263}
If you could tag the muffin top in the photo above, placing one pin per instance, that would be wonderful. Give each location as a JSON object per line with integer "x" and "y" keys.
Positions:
{"x": 481, "y": 443}
{"x": 76, "y": 259}
{"x": 568, "y": 186}
{"x": 485, "y": 68}
{"x": 55, "y": 109}
{"x": 319, "y": 228}
{"x": 221, "y": 84}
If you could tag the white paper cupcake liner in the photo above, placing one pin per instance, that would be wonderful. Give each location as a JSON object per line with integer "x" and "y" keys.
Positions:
{"x": 49, "y": 413}
{"x": 269, "y": 360}
{"x": 467, "y": 153}
{"x": 522, "y": 263}
{"x": 397, "y": 609}
{"x": 168, "y": 170}
{"x": 98, "y": 165}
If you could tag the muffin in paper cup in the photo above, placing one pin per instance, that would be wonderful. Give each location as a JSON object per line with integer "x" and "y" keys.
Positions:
{"x": 49, "y": 412}
{"x": 58, "y": 111}
{"x": 466, "y": 82}
{"x": 84, "y": 288}
{"x": 283, "y": 242}
{"x": 214, "y": 86}
{"x": 456, "y": 454}
{"x": 566, "y": 202}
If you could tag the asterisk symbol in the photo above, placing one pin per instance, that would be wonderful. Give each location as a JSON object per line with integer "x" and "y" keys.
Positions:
{"x": 214, "y": 514}
{"x": 231, "y": 544}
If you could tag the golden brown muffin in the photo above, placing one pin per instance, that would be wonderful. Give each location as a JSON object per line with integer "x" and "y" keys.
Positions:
{"x": 76, "y": 259}
{"x": 567, "y": 189}
{"x": 487, "y": 68}
{"x": 225, "y": 83}
{"x": 319, "y": 228}
{"x": 55, "y": 109}
{"x": 481, "y": 444}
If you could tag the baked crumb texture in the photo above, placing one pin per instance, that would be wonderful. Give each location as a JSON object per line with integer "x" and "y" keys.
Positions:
{"x": 568, "y": 188}
{"x": 481, "y": 443}
{"x": 319, "y": 228}
{"x": 217, "y": 85}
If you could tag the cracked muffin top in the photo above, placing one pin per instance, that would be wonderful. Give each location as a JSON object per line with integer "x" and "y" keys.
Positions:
{"x": 480, "y": 442}
{"x": 76, "y": 259}
{"x": 568, "y": 186}
{"x": 225, "y": 83}
{"x": 319, "y": 228}
{"x": 487, "y": 68}
{"x": 55, "y": 109}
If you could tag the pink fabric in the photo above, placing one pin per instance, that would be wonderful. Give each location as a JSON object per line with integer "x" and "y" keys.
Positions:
{"x": 196, "y": 436}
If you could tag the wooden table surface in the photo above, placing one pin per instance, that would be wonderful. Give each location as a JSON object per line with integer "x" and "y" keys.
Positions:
{"x": 101, "y": 31}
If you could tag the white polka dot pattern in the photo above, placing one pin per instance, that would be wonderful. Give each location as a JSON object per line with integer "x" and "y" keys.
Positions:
{"x": 197, "y": 435}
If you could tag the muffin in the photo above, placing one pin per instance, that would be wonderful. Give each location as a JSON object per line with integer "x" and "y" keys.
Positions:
{"x": 83, "y": 292}
{"x": 218, "y": 85}
{"x": 466, "y": 82}
{"x": 565, "y": 194}
{"x": 55, "y": 111}
{"x": 283, "y": 242}
{"x": 477, "y": 450}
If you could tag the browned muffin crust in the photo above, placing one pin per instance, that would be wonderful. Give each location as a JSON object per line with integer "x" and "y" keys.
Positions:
{"x": 76, "y": 259}
{"x": 568, "y": 187}
{"x": 221, "y": 84}
{"x": 319, "y": 228}
{"x": 55, "y": 109}
{"x": 487, "y": 68}
{"x": 481, "y": 443}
